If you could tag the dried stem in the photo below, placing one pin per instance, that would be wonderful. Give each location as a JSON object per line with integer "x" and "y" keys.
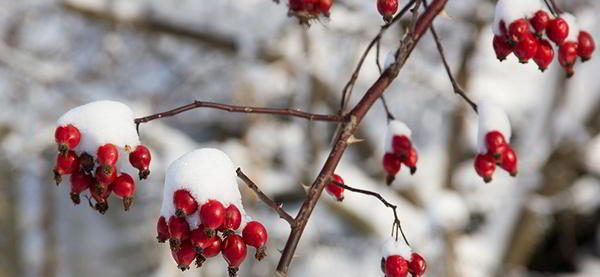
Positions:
{"x": 274, "y": 205}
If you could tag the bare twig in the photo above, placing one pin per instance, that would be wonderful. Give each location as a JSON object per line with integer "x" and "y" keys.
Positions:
{"x": 275, "y": 206}
{"x": 388, "y": 113}
{"x": 556, "y": 8}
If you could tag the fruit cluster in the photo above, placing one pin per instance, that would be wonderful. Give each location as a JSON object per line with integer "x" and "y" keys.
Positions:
{"x": 216, "y": 233}
{"x": 524, "y": 37}
{"x": 97, "y": 171}
{"x": 499, "y": 153}
{"x": 396, "y": 265}
{"x": 334, "y": 189}
{"x": 305, "y": 10}
{"x": 399, "y": 150}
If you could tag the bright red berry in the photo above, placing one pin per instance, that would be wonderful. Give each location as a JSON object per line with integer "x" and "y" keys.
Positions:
{"x": 396, "y": 266}
{"x": 485, "y": 165}
{"x": 80, "y": 182}
{"x": 179, "y": 231}
{"x": 391, "y": 165}
{"x": 334, "y": 189}
{"x": 495, "y": 143}
{"x": 325, "y": 6}
{"x": 567, "y": 54}
{"x": 184, "y": 202}
{"x": 214, "y": 248}
{"x": 557, "y": 30}
{"x": 518, "y": 29}
{"x": 212, "y": 216}
{"x": 234, "y": 251}
{"x": 540, "y": 21}
{"x": 387, "y": 8}
{"x": 502, "y": 47}
{"x": 570, "y": 71}
{"x": 184, "y": 256}
{"x": 411, "y": 160}
{"x": 67, "y": 137}
{"x": 508, "y": 161}
{"x": 162, "y": 230}
{"x": 256, "y": 235}
{"x": 586, "y": 46}
{"x": 140, "y": 158}
{"x": 401, "y": 145}
{"x": 124, "y": 187}
{"x": 200, "y": 240}
{"x": 417, "y": 265}
{"x": 101, "y": 197}
{"x": 526, "y": 48}
{"x": 544, "y": 55}
{"x": 106, "y": 174}
{"x": 233, "y": 219}
{"x": 67, "y": 163}
{"x": 108, "y": 154}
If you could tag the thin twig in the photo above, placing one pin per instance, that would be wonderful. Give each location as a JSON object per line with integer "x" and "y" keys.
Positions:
{"x": 385, "y": 202}
{"x": 550, "y": 8}
{"x": 274, "y": 205}
{"x": 388, "y": 113}
{"x": 556, "y": 8}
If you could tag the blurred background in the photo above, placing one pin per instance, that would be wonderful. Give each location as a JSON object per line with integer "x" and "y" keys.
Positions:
{"x": 158, "y": 54}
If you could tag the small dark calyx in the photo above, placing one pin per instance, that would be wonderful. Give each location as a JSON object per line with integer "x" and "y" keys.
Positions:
{"x": 200, "y": 259}
{"x": 209, "y": 232}
{"x": 228, "y": 232}
{"x": 127, "y": 202}
{"x": 179, "y": 213}
{"x": 75, "y": 198}
{"x": 86, "y": 162}
{"x": 143, "y": 174}
{"x": 101, "y": 207}
{"x": 413, "y": 170}
{"x": 63, "y": 148}
{"x": 232, "y": 271}
{"x": 174, "y": 243}
{"x": 389, "y": 179}
{"x": 261, "y": 253}
{"x": 183, "y": 267}
{"x": 57, "y": 177}
{"x": 160, "y": 240}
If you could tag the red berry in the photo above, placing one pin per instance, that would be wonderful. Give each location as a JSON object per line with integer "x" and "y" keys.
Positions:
{"x": 234, "y": 251}
{"x": 567, "y": 54}
{"x": 570, "y": 70}
{"x": 417, "y": 265}
{"x": 67, "y": 163}
{"x": 396, "y": 266}
{"x": 162, "y": 229}
{"x": 335, "y": 190}
{"x": 200, "y": 240}
{"x": 184, "y": 202}
{"x": 140, "y": 158}
{"x": 411, "y": 160}
{"x": 100, "y": 195}
{"x": 557, "y": 30}
{"x": 387, "y": 8}
{"x": 401, "y": 145}
{"x": 124, "y": 188}
{"x": 544, "y": 55}
{"x": 540, "y": 21}
{"x": 485, "y": 165}
{"x": 67, "y": 137}
{"x": 212, "y": 216}
{"x": 233, "y": 219}
{"x": 495, "y": 143}
{"x": 503, "y": 29}
{"x": 518, "y": 29}
{"x": 508, "y": 161}
{"x": 391, "y": 165}
{"x": 213, "y": 249}
{"x": 256, "y": 235}
{"x": 80, "y": 182}
{"x": 526, "y": 48}
{"x": 184, "y": 256}
{"x": 502, "y": 47}
{"x": 325, "y": 6}
{"x": 108, "y": 154}
{"x": 586, "y": 46}
{"x": 106, "y": 174}
{"x": 179, "y": 231}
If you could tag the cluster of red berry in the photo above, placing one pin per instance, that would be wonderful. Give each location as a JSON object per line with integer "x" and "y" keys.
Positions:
{"x": 402, "y": 153}
{"x": 397, "y": 266}
{"x": 309, "y": 9}
{"x": 498, "y": 152}
{"x": 105, "y": 179}
{"x": 524, "y": 38}
{"x": 216, "y": 233}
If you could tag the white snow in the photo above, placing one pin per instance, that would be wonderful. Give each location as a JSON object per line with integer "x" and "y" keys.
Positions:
{"x": 391, "y": 247}
{"x": 491, "y": 118}
{"x": 395, "y": 128}
{"x": 449, "y": 211}
{"x": 390, "y": 58}
{"x": 573, "y": 26}
{"x": 208, "y": 174}
{"x": 511, "y": 10}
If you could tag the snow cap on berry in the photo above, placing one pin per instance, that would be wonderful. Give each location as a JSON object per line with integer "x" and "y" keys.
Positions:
{"x": 491, "y": 118}
{"x": 573, "y": 26}
{"x": 208, "y": 174}
{"x": 508, "y": 11}
{"x": 391, "y": 247}
{"x": 395, "y": 128}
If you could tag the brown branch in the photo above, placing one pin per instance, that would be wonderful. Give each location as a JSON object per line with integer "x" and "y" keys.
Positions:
{"x": 345, "y": 133}
{"x": 274, "y": 205}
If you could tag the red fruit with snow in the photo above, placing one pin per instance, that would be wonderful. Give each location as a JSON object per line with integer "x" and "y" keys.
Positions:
{"x": 162, "y": 230}
{"x": 124, "y": 188}
{"x": 107, "y": 154}
{"x": 67, "y": 163}
{"x": 184, "y": 255}
{"x": 544, "y": 55}
{"x": 233, "y": 219}
{"x": 586, "y": 46}
{"x": 540, "y": 21}
{"x": 526, "y": 48}
{"x": 411, "y": 160}
{"x": 518, "y": 29}
{"x": 80, "y": 182}
{"x": 417, "y": 265}
{"x": 256, "y": 235}
{"x": 387, "y": 8}
{"x": 396, "y": 266}
{"x": 184, "y": 202}
{"x": 557, "y": 30}
{"x": 502, "y": 47}
{"x": 140, "y": 159}
{"x": 67, "y": 137}
{"x": 495, "y": 143}
{"x": 485, "y": 165}
{"x": 508, "y": 161}
{"x": 179, "y": 230}
{"x": 106, "y": 174}
{"x": 212, "y": 216}
{"x": 335, "y": 190}
{"x": 234, "y": 251}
